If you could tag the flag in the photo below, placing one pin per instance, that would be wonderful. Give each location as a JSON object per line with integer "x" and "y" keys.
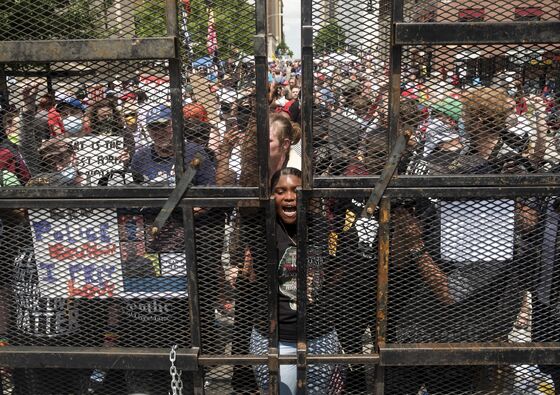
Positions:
{"x": 212, "y": 39}
{"x": 187, "y": 6}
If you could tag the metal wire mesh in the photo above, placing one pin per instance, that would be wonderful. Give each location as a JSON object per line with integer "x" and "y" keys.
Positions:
{"x": 351, "y": 85}
{"x": 465, "y": 97}
{"x": 461, "y": 269}
{"x": 79, "y": 19}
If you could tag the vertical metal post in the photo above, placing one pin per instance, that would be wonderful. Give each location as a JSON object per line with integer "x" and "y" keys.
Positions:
{"x": 307, "y": 92}
{"x": 261, "y": 70}
{"x": 397, "y": 15}
{"x": 176, "y": 94}
{"x": 382, "y": 288}
{"x": 302, "y": 201}
{"x": 192, "y": 280}
{"x": 273, "y": 350}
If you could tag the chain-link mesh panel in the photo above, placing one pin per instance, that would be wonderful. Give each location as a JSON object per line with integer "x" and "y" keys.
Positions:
{"x": 231, "y": 260}
{"x": 351, "y": 63}
{"x": 475, "y": 103}
{"x": 233, "y": 284}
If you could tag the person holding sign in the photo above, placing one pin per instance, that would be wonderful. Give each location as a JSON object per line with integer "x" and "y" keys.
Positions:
{"x": 106, "y": 120}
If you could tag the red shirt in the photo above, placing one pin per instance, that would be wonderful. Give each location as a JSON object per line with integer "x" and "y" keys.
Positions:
{"x": 54, "y": 121}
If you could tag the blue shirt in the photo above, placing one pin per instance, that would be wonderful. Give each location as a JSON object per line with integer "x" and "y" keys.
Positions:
{"x": 159, "y": 170}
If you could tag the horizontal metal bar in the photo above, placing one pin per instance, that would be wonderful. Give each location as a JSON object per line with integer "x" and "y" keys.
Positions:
{"x": 81, "y": 50}
{"x": 124, "y": 202}
{"x": 102, "y": 358}
{"x": 361, "y": 359}
{"x": 470, "y": 354}
{"x": 477, "y": 33}
{"x": 209, "y": 360}
{"x": 51, "y": 73}
{"x": 441, "y": 192}
{"x": 473, "y": 192}
{"x": 124, "y": 192}
{"x": 466, "y": 180}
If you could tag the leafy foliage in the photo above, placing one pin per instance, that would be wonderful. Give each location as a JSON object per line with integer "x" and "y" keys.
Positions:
{"x": 330, "y": 38}
{"x": 234, "y": 21}
{"x": 49, "y": 19}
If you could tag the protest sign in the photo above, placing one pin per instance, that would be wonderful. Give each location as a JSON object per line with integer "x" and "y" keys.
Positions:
{"x": 97, "y": 156}
{"x": 147, "y": 272}
{"x": 77, "y": 252}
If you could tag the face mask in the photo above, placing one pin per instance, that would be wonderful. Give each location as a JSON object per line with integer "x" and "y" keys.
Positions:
{"x": 72, "y": 124}
{"x": 107, "y": 127}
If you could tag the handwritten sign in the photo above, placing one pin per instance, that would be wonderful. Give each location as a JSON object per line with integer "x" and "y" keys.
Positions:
{"x": 97, "y": 156}
{"x": 149, "y": 272}
{"x": 77, "y": 252}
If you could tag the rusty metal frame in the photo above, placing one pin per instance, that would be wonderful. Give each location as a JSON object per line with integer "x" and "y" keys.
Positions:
{"x": 476, "y": 33}
{"x": 479, "y": 186}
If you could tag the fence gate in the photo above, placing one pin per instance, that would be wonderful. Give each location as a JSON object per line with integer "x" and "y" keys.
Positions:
{"x": 144, "y": 250}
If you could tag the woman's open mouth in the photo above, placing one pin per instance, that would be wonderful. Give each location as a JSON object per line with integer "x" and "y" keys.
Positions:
{"x": 289, "y": 211}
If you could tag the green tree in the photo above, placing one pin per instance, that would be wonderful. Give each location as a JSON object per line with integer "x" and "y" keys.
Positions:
{"x": 283, "y": 49}
{"x": 234, "y": 21}
{"x": 330, "y": 38}
{"x": 49, "y": 19}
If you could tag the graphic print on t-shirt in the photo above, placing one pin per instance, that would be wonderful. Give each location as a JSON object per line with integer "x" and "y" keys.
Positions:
{"x": 287, "y": 275}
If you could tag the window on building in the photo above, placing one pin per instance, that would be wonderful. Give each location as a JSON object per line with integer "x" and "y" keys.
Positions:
{"x": 528, "y": 14}
{"x": 471, "y": 15}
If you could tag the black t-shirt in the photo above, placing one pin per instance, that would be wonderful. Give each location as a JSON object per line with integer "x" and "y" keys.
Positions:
{"x": 287, "y": 280}
{"x": 317, "y": 282}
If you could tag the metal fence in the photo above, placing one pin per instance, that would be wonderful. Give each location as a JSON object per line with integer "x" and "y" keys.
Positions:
{"x": 148, "y": 229}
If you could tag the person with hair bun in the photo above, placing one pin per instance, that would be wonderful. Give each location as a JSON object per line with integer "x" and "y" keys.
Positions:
{"x": 283, "y": 135}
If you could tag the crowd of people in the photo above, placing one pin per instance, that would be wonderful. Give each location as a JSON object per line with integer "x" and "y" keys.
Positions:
{"x": 439, "y": 292}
